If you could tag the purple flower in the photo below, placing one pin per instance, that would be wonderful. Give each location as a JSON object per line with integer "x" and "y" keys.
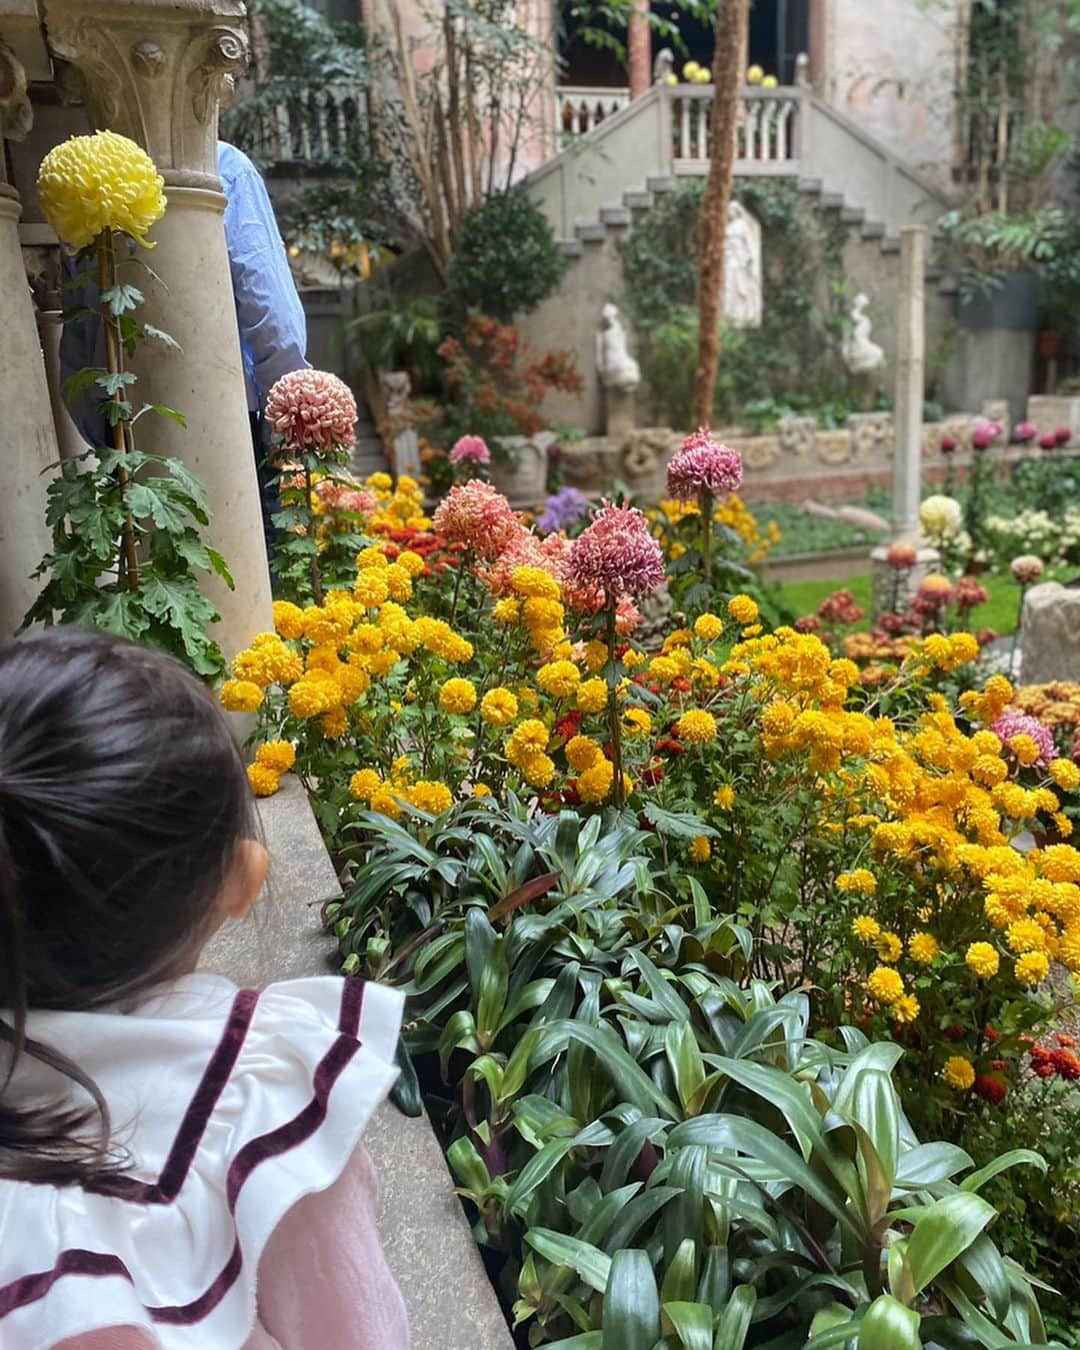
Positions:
{"x": 703, "y": 465}
{"x": 1024, "y": 432}
{"x": 1011, "y": 724}
{"x": 1063, "y": 435}
{"x": 617, "y": 554}
{"x": 472, "y": 449}
{"x": 562, "y": 509}
{"x": 985, "y": 434}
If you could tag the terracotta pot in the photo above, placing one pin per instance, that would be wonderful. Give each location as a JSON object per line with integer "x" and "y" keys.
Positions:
{"x": 1049, "y": 343}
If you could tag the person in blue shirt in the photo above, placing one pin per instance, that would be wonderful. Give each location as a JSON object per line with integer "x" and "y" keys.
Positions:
{"x": 270, "y": 317}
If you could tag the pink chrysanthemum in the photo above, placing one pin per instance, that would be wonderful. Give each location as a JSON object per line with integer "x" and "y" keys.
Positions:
{"x": 1011, "y": 724}
{"x": 470, "y": 449}
{"x": 617, "y": 554}
{"x": 703, "y": 465}
{"x": 345, "y": 496}
{"x": 476, "y": 515}
{"x": 312, "y": 410}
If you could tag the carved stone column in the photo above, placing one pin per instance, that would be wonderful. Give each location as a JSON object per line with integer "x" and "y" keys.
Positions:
{"x": 158, "y": 74}
{"x": 28, "y": 438}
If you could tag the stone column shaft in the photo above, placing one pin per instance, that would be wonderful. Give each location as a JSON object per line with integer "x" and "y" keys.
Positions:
{"x": 910, "y": 384}
{"x": 158, "y": 74}
{"x": 28, "y": 437}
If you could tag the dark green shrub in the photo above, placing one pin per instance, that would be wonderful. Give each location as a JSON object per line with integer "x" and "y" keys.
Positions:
{"x": 506, "y": 258}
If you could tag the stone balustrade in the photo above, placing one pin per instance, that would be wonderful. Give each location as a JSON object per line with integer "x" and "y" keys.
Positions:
{"x": 580, "y": 109}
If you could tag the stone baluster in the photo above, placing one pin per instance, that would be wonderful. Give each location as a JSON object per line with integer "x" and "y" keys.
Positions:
{"x": 29, "y": 436}
{"x": 158, "y": 74}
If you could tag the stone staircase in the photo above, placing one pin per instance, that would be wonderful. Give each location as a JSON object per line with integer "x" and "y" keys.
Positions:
{"x": 367, "y": 456}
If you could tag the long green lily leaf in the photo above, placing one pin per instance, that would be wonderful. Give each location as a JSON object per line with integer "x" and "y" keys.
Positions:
{"x": 945, "y": 1230}
{"x": 631, "y": 1303}
{"x": 591, "y": 1264}
{"x": 888, "y": 1325}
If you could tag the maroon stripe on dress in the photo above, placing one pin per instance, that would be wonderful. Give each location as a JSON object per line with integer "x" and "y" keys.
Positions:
{"x": 30, "y": 1288}
{"x": 197, "y": 1116}
{"x": 274, "y": 1143}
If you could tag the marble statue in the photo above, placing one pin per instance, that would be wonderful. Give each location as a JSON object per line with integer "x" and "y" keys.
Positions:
{"x": 742, "y": 268}
{"x": 616, "y": 367}
{"x": 861, "y": 356}
{"x": 663, "y": 66}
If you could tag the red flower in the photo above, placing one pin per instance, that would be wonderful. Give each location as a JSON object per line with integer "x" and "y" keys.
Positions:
{"x": 680, "y": 685}
{"x": 948, "y": 445}
{"x": 955, "y": 1033}
{"x": 1067, "y": 1063}
{"x": 1043, "y": 1070}
{"x": 1065, "y": 1040}
{"x": 991, "y": 1087}
{"x": 569, "y": 726}
{"x": 1001, "y": 1065}
{"x": 668, "y": 745}
{"x": 652, "y": 775}
{"x": 991, "y": 1034}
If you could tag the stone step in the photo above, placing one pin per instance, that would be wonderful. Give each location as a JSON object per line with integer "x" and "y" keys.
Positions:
{"x": 852, "y": 215}
{"x": 572, "y": 248}
{"x": 638, "y": 200}
{"x": 617, "y": 217}
{"x": 832, "y": 201}
{"x": 590, "y": 231}
{"x": 809, "y": 185}
{"x": 661, "y": 183}
{"x": 891, "y": 244}
{"x": 872, "y": 229}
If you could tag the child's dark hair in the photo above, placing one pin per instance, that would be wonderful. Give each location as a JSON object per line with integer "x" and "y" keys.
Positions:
{"x": 122, "y": 799}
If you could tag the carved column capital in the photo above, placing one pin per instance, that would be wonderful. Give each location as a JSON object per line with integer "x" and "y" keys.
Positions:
{"x": 16, "y": 117}
{"x": 156, "y": 74}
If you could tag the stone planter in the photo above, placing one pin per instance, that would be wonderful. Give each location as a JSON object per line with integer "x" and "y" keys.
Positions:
{"x": 519, "y": 467}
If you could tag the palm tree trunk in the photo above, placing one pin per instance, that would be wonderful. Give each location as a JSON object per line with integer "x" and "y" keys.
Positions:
{"x": 731, "y": 23}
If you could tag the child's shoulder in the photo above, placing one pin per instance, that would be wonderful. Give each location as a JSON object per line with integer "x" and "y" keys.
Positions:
{"x": 233, "y": 1104}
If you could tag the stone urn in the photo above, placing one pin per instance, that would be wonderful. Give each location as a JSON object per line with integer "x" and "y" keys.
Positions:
{"x": 519, "y": 467}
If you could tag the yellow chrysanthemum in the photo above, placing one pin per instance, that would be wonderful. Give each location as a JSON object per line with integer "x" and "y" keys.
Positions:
{"x": 88, "y": 184}
{"x": 596, "y": 782}
{"x": 860, "y": 882}
{"x": 433, "y": 797}
{"x": 371, "y": 588}
{"x": 724, "y": 797}
{"x": 885, "y": 984}
{"x": 636, "y": 723}
{"x": 708, "y": 627}
{"x": 742, "y": 609}
{"x": 498, "y": 707}
{"x": 1065, "y": 774}
{"x": 592, "y": 696}
{"x": 982, "y": 960}
{"x": 866, "y": 928}
{"x": 700, "y": 849}
{"x": 507, "y": 610}
{"x": 364, "y": 784}
{"x": 481, "y": 790}
{"x": 277, "y": 755}
{"x": 905, "y": 1009}
{"x": 385, "y": 801}
{"x": 241, "y": 696}
{"x": 537, "y": 769}
{"x": 958, "y": 1073}
{"x": 889, "y": 948}
{"x": 697, "y": 727}
{"x": 1025, "y": 935}
{"x": 923, "y": 947}
{"x": 582, "y": 753}
{"x": 264, "y": 781}
{"x": 1032, "y": 968}
{"x": 457, "y": 696}
{"x": 288, "y": 619}
{"x": 558, "y": 678}
{"x": 663, "y": 669}
{"x": 1024, "y": 748}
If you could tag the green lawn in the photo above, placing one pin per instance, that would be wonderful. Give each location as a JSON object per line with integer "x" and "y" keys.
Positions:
{"x": 999, "y": 611}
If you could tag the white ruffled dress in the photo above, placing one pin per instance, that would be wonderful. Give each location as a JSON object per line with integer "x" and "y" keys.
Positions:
{"x": 247, "y": 1214}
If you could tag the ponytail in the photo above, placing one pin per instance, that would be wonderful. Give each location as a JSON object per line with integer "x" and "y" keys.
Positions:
{"x": 122, "y": 799}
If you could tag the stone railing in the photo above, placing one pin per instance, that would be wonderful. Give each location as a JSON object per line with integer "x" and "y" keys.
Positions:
{"x": 580, "y": 109}
{"x": 767, "y": 132}
{"x": 308, "y": 126}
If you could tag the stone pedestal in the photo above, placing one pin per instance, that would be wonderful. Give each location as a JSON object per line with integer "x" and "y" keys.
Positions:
{"x": 29, "y": 438}
{"x": 158, "y": 75}
{"x": 620, "y": 415}
{"x": 68, "y": 437}
{"x": 892, "y": 589}
{"x": 1050, "y": 634}
{"x": 1051, "y": 411}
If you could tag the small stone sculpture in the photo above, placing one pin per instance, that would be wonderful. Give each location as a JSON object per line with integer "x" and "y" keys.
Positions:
{"x": 742, "y": 268}
{"x": 663, "y": 66}
{"x": 616, "y": 367}
{"x": 861, "y": 356}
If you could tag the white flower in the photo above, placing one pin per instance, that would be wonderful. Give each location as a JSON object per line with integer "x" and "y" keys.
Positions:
{"x": 940, "y": 517}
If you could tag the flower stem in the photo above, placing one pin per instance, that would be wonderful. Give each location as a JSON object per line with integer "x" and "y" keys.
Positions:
{"x": 705, "y": 507}
{"x": 614, "y": 724}
{"x": 129, "y": 556}
{"x": 316, "y": 580}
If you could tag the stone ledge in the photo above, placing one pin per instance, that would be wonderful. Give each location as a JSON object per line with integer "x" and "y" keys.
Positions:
{"x": 425, "y": 1234}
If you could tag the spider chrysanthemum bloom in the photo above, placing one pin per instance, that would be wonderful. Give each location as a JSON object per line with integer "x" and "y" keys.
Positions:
{"x": 1026, "y": 569}
{"x": 477, "y": 515}
{"x": 470, "y": 450}
{"x": 312, "y": 410}
{"x": 105, "y": 181}
{"x": 617, "y": 554}
{"x": 703, "y": 465}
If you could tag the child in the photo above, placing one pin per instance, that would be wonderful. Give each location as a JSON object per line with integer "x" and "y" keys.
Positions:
{"x": 179, "y": 1160}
